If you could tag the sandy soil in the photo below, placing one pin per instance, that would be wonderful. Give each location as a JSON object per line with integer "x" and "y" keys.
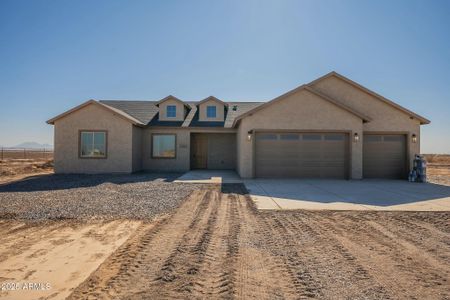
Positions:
{"x": 218, "y": 245}
{"x": 59, "y": 253}
{"x": 439, "y": 174}
{"x": 18, "y": 169}
{"x": 438, "y": 168}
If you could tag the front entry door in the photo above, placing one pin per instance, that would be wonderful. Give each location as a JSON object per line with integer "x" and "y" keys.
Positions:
{"x": 199, "y": 151}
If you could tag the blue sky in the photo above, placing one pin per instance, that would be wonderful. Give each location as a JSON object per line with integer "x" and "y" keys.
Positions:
{"x": 57, "y": 54}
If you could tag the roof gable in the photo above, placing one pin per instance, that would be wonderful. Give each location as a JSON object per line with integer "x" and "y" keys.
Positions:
{"x": 170, "y": 97}
{"x": 372, "y": 93}
{"x": 144, "y": 111}
{"x": 116, "y": 111}
{"x": 298, "y": 89}
{"x": 212, "y": 98}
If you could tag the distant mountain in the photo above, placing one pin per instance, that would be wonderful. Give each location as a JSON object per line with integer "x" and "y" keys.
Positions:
{"x": 33, "y": 145}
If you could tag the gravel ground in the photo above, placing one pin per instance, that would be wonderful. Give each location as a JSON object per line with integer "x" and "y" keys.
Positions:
{"x": 136, "y": 196}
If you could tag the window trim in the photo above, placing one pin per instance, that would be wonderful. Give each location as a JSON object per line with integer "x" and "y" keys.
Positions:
{"x": 167, "y": 111}
{"x": 215, "y": 112}
{"x": 163, "y": 157}
{"x": 79, "y": 144}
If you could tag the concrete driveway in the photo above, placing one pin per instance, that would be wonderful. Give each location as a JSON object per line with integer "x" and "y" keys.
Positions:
{"x": 317, "y": 194}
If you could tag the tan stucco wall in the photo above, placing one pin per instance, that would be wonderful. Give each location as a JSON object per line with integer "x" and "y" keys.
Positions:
{"x": 182, "y": 161}
{"x": 93, "y": 117}
{"x": 220, "y": 115}
{"x": 137, "y": 148}
{"x": 385, "y": 118}
{"x": 178, "y": 164}
{"x": 299, "y": 111}
{"x": 181, "y": 110}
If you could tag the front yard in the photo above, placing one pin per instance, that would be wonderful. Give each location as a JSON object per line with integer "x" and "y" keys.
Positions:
{"x": 145, "y": 236}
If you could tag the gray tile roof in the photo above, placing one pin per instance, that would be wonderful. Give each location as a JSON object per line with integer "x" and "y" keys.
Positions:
{"x": 144, "y": 111}
{"x": 235, "y": 109}
{"x": 147, "y": 113}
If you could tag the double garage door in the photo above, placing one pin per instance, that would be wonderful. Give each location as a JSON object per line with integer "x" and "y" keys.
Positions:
{"x": 307, "y": 155}
{"x": 326, "y": 155}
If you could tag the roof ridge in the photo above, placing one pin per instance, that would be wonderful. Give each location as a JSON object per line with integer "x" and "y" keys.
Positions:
{"x": 187, "y": 101}
{"x": 115, "y": 100}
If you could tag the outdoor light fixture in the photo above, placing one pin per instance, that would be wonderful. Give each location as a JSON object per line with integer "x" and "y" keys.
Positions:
{"x": 414, "y": 138}
{"x": 249, "y": 135}
{"x": 356, "y": 137}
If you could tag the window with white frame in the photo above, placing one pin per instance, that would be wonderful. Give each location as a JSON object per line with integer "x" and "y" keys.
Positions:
{"x": 93, "y": 144}
{"x": 211, "y": 112}
{"x": 171, "y": 111}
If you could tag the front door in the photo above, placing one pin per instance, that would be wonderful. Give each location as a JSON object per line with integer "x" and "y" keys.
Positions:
{"x": 199, "y": 151}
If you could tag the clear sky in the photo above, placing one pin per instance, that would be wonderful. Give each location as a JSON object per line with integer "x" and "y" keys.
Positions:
{"x": 57, "y": 54}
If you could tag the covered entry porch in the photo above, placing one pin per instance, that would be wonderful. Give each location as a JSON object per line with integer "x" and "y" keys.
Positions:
{"x": 213, "y": 151}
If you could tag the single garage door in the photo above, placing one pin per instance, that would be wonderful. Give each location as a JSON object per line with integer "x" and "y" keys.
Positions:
{"x": 384, "y": 156}
{"x": 308, "y": 155}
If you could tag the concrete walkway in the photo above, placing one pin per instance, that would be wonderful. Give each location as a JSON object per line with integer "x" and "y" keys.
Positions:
{"x": 316, "y": 194}
{"x": 210, "y": 176}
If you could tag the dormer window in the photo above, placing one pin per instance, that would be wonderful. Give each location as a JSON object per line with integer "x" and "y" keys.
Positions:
{"x": 211, "y": 109}
{"x": 171, "y": 111}
{"x": 211, "y": 112}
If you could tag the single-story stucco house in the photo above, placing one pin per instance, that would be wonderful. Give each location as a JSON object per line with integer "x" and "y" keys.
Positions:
{"x": 331, "y": 127}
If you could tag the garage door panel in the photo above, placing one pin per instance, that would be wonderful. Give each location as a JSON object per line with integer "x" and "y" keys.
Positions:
{"x": 384, "y": 156}
{"x": 307, "y": 155}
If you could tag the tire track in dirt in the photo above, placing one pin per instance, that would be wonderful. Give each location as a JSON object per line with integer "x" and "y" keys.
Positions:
{"x": 333, "y": 260}
{"x": 329, "y": 263}
{"x": 216, "y": 275}
{"x": 260, "y": 274}
{"x": 426, "y": 238}
{"x": 178, "y": 273}
{"x": 284, "y": 243}
{"x": 143, "y": 254}
{"x": 384, "y": 255}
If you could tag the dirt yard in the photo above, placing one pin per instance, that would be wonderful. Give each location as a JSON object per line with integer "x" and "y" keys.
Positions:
{"x": 17, "y": 169}
{"x": 438, "y": 168}
{"x": 57, "y": 255}
{"x": 218, "y": 245}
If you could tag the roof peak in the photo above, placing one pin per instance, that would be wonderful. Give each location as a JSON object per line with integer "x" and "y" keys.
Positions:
{"x": 212, "y": 98}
